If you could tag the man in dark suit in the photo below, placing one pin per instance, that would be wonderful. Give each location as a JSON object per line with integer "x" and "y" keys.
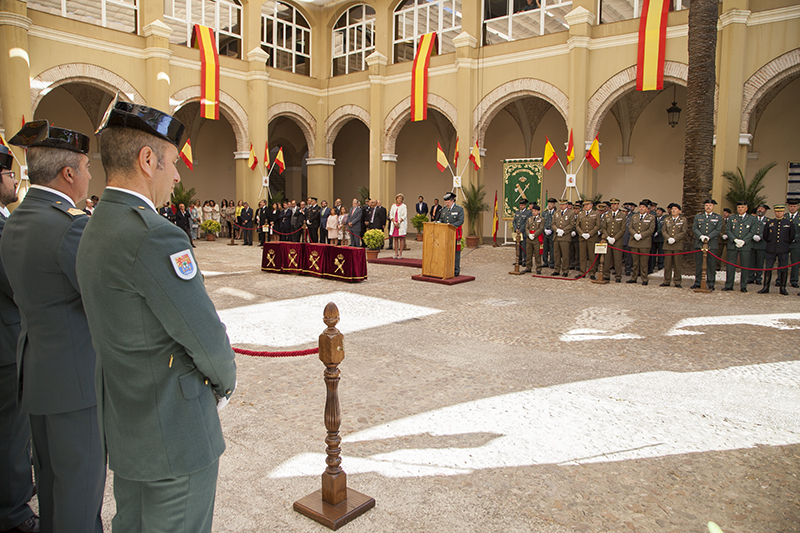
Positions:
{"x": 436, "y": 210}
{"x": 313, "y": 219}
{"x": 16, "y": 485}
{"x": 183, "y": 219}
{"x": 355, "y": 223}
{"x": 285, "y": 222}
{"x": 262, "y": 220}
{"x": 421, "y": 207}
{"x": 299, "y": 222}
{"x": 247, "y": 223}
{"x": 55, "y": 356}
{"x": 162, "y": 377}
{"x": 324, "y": 213}
{"x": 166, "y": 212}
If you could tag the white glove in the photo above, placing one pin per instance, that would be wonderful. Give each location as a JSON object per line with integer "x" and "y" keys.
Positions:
{"x": 671, "y": 240}
{"x": 223, "y": 401}
{"x": 739, "y": 242}
{"x": 704, "y": 238}
{"x": 560, "y": 232}
{"x": 724, "y": 237}
{"x": 611, "y": 240}
{"x": 548, "y": 231}
{"x": 637, "y": 236}
{"x": 585, "y": 235}
{"x": 573, "y": 233}
{"x": 530, "y": 235}
{"x": 757, "y": 238}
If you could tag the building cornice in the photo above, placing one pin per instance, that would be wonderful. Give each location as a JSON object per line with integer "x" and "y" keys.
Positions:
{"x": 734, "y": 16}
{"x": 157, "y": 52}
{"x": 327, "y": 161}
{"x": 14, "y": 19}
{"x": 158, "y": 29}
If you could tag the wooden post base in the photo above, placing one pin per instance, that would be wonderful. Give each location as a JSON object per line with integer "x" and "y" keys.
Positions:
{"x": 516, "y": 271}
{"x": 702, "y": 288}
{"x": 232, "y": 243}
{"x": 601, "y": 280}
{"x": 334, "y": 516}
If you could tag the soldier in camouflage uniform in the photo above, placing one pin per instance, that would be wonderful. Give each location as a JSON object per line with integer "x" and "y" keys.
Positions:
{"x": 613, "y": 225}
{"x": 533, "y": 228}
{"x": 587, "y": 227}
{"x": 563, "y": 226}
{"x": 674, "y": 231}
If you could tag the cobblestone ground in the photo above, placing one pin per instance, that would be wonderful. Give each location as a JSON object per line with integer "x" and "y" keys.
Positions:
{"x": 500, "y": 334}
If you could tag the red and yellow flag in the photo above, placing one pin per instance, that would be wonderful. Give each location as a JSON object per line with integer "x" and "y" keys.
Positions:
{"x": 266, "y": 155}
{"x": 3, "y": 142}
{"x": 419, "y": 77}
{"x": 652, "y": 43}
{"x": 593, "y": 155}
{"x": 279, "y": 160}
{"x": 441, "y": 159}
{"x": 495, "y": 220}
{"x": 186, "y": 154}
{"x": 475, "y": 156}
{"x": 209, "y": 71}
{"x": 570, "y": 148}
{"x": 252, "y": 160}
{"x": 455, "y": 156}
{"x": 550, "y": 156}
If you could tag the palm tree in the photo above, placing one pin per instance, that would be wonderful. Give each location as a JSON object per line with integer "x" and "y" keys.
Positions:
{"x": 741, "y": 190}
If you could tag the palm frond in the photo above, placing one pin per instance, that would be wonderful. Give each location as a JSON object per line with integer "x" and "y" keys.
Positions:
{"x": 740, "y": 190}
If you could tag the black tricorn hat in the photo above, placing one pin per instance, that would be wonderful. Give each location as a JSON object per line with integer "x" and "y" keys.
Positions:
{"x": 140, "y": 117}
{"x": 6, "y": 159}
{"x": 40, "y": 133}
{"x": 449, "y": 196}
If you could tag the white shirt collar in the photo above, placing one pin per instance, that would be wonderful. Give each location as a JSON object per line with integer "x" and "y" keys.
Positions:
{"x": 5, "y": 211}
{"x": 59, "y": 193}
{"x": 138, "y": 195}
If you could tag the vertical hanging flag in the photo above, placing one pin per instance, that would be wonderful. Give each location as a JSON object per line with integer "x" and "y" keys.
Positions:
{"x": 186, "y": 154}
{"x": 209, "y": 71}
{"x": 593, "y": 155}
{"x": 419, "y": 77}
{"x": 3, "y": 141}
{"x": 652, "y": 42}
{"x": 495, "y": 220}
{"x": 455, "y": 156}
{"x": 441, "y": 159}
{"x": 279, "y": 160}
{"x": 550, "y": 156}
{"x": 252, "y": 160}
{"x": 570, "y": 148}
{"x": 475, "y": 156}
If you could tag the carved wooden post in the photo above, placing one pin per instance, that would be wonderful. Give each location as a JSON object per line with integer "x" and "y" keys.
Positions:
{"x": 334, "y": 505}
{"x": 517, "y": 239}
{"x": 703, "y": 284}
{"x": 601, "y": 268}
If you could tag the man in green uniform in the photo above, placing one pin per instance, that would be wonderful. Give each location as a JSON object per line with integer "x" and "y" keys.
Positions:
{"x": 164, "y": 363}
{"x": 758, "y": 252}
{"x": 794, "y": 248}
{"x": 740, "y": 228}
{"x": 779, "y": 233}
{"x": 706, "y": 229}
{"x": 454, "y": 215}
{"x": 55, "y": 358}
{"x": 641, "y": 228}
{"x": 674, "y": 231}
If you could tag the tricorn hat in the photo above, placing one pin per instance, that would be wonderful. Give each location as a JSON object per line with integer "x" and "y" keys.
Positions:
{"x": 141, "y": 117}
{"x": 449, "y": 196}
{"x": 40, "y": 133}
{"x": 6, "y": 159}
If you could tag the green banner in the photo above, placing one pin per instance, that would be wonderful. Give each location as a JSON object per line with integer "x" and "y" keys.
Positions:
{"x": 522, "y": 178}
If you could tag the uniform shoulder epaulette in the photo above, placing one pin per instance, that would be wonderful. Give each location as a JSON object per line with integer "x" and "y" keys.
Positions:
{"x": 68, "y": 209}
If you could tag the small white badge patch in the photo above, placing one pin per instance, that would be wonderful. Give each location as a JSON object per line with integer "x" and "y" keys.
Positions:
{"x": 184, "y": 264}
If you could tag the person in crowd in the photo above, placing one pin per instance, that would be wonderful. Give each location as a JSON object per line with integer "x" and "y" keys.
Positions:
{"x": 587, "y": 225}
{"x": 740, "y": 229}
{"x": 563, "y": 225}
{"x": 722, "y": 248}
{"x": 421, "y": 208}
{"x": 355, "y": 223}
{"x": 89, "y": 206}
{"x": 197, "y": 216}
{"x": 285, "y": 226}
{"x": 223, "y": 222}
{"x": 612, "y": 229}
{"x": 344, "y": 227}
{"x": 324, "y": 213}
{"x": 794, "y": 248}
{"x": 656, "y": 260}
{"x": 435, "y": 210}
{"x": 534, "y": 228}
{"x": 641, "y": 228}
{"x": 398, "y": 220}
{"x": 237, "y": 219}
{"x": 274, "y": 221}
{"x": 706, "y": 228}
{"x": 453, "y": 214}
{"x": 166, "y": 212}
{"x": 332, "y": 228}
{"x": 779, "y": 234}
{"x": 547, "y": 243}
{"x": 215, "y": 214}
{"x": 183, "y": 219}
{"x": 313, "y": 219}
{"x": 674, "y": 229}
{"x": 247, "y": 223}
{"x": 518, "y": 224}
{"x": 759, "y": 250}
{"x": 262, "y": 221}
{"x": 299, "y": 223}
{"x": 207, "y": 210}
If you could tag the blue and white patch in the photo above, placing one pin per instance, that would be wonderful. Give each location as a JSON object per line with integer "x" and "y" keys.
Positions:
{"x": 184, "y": 264}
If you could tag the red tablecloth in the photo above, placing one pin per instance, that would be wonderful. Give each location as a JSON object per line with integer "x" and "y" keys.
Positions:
{"x": 321, "y": 260}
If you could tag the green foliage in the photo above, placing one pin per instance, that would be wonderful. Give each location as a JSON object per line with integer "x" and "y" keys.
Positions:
{"x": 596, "y": 198}
{"x": 474, "y": 204}
{"x": 210, "y": 226}
{"x": 363, "y": 192}
{"x": 741, "y": 190}
{"x": 417, "y": 221}
{"x": 277, "y": 198}
{"x": 181, "y": 196}
{"x": 373, "y": 239}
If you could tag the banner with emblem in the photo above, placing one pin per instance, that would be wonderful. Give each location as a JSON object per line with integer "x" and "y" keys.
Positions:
{"x": 522, "y": 178}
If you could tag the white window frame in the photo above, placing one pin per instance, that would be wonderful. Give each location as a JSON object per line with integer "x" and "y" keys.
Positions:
{"x": 543, "y": 13}
{"x": 134, "y": 7}
{"x": 441, "y": 5}
{"x": 363, "y": 27}
{"x": 636, "y": 14}
{"x": 192, "y": 6}
{"x": 273, "y": 20}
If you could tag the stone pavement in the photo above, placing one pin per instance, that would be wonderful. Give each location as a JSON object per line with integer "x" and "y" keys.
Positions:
{"x": 538, "y": 405}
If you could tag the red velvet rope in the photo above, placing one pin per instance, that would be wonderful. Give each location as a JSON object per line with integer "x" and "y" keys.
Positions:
{"x": 295, "y": 353}
{"x": 571, "y": 279}
{"x": 652, "y": 255}
{"x": 754, "y": 269}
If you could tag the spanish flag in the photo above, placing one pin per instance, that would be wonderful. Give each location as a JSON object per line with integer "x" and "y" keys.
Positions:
{"x": 186, "y": 154}
{"x": 279, "y": 160}
{"x": 455, "y": 156}
{"x": 441, "y": 159}
{"x": 593, "y": 155}
{"x": 419, "y": 77}
{"x": 3, "y": 141}
{"x": 475, "y": 156}
{"x": 495, "y": 220}
{"x": 570, "y": 149}
{"x": 252, "y": 161}
{"x": 550, "y": 156}
{"x": 266, "y": 155}
{"x": 652, "y": 42}
{"x": 209, "y": 71}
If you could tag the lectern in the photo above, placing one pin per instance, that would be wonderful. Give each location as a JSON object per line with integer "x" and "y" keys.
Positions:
{"x": 438, "y": 250}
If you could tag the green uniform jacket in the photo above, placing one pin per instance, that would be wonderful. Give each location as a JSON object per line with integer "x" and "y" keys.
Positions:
{"x": 453, "y": 216}
{"x": 760, "y": 223}
{"x": 741, "y": 228}
{"x": 54, "y": 353}
{"x": 9, "y": 314}
{"x": 710, "y": 226}
{"x": 796, "y": 223}
{"x": 161, "y": 348}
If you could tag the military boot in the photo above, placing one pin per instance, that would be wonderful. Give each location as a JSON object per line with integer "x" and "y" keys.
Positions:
{"x": 784, "y": 275}
{"x": 767, "y": 281}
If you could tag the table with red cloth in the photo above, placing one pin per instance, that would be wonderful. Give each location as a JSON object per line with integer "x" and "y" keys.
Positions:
{"x": 345, "y": 263}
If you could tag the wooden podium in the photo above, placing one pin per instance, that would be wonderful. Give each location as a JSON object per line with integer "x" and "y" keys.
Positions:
{"x": 438, "y": 250}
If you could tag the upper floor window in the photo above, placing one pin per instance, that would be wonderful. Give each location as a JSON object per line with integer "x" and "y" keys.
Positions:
{"x": 353, "y": 39}
{"x": 286, "y": 37}
{"x": 512, "y": 20}
{"x": 616, "y": 10}
{"x": 223, "y": 16}
{"x": 413, "y": 18}
{"x": 115, "y": 14}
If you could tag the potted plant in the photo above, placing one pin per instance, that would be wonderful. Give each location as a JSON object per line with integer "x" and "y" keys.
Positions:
{"x": 418, "y": 222}
{"x": 210, "y": 227}
{"x": 373, "y": 239}
{"x": 474, "y": 206}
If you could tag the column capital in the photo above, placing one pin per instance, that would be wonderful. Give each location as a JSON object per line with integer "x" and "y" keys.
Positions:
{"x": 245, "y": 154}
{"x": 328, "y": 161}
{"x": 157, "y": 29}
{"x": 465, "y": 39}
{"x": 377, "y": 58}
{"x": 13, "y": 19}
{"x": 258, "y": 55}
{"x": 745, "y": 139}
{"x": 734, "y": 16}
{"x": 392, "y": 158}
{"x": 580, "y": 15}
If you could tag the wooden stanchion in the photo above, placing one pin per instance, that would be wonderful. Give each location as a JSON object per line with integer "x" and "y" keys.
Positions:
{"x": 336, "y": 504}
{"x": 703, "y": 284}
{"x": 600, "y": 270}
{"x": 517, "y": 239}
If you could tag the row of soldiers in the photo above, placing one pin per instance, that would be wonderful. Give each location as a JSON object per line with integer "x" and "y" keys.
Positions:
{"x": 651, "y": 235}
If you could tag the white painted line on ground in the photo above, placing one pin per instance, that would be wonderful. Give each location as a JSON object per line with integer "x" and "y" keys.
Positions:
{"x": 289, "y": 323}
{"x": 611, "y": 419}
{"x": 588, "y": 334}
{"x": 777, "y": 321}
{"x": 239, "y": 293}
{"x": 214, "y": 274}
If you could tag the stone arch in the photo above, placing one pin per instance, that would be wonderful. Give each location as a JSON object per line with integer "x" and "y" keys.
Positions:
{"x": 301, "y": 116}
{"x": 338, "y": 119}
{"x": 228, "y": 106}
{"x": 491, "y": 104}
{"x": 401, "y": 114}
{"x": 86, "y": 73}
{"x": 622, "y": 82}
{"x": 764, "y": 80}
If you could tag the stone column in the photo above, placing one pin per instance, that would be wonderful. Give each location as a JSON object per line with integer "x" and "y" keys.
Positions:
{"x": 294, "y": 183}
{"x": 15, "y": 91}
{"x": 389, "y": 172}
{"x": 242, "y": 174}
{"x": 379, "y": 186}
{"x": 257, "y": 94}
{"x": 320, "y": 178}
{"x": 157, "y": 55}
{"x": 467, "y": 99}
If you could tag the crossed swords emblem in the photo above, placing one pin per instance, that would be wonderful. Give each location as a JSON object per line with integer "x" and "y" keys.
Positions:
{"x": 271, "y": 258}
{"x": 293, "y": 258}
{"x": 339, "y": 262}
{"x": 313, "y": 258}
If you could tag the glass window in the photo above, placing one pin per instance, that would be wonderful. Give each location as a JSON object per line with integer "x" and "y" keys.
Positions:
{"x": 122, "y": 15}
{"x": 616, "y": 10}
{"x": 512, "y": 20}
{"x": 222, "y": 16}
{"x": 353, "y": 40}
{"x": 286, "y": 37}
{"x": 413, "y": 18}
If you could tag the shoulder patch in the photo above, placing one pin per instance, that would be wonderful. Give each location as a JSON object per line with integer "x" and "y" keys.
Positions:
{"x": 74, "y": 211}
{"x": 184, "y": 265}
